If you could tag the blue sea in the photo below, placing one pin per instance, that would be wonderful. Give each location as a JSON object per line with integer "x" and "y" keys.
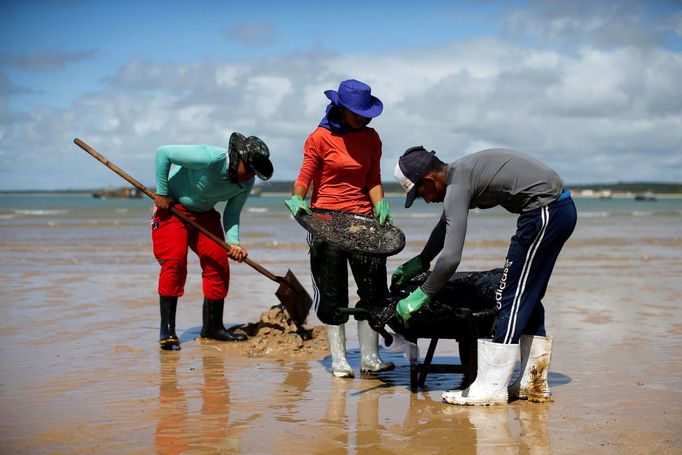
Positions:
{"x": 17, "y": 205}
{"x": 74, "y": 230}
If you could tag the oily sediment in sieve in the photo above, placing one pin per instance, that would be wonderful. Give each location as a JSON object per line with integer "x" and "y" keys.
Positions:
{"x": 353, "y": 232}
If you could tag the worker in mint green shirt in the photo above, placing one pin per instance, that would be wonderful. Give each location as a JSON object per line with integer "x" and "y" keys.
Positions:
{"x": 193, "y": 179}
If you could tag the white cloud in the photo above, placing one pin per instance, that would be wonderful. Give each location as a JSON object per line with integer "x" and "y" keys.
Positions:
{"x": 228, "y": 76}
{"x": 266, "y": 93}
{"x": 45, "y": 60}
{"x": 575, "y": 23}
{"x": 675, "y": 23}
{"x": 592, "y": 114}
{"x": 254, "y": 34}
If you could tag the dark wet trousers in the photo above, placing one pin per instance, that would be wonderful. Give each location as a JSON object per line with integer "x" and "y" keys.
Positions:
{"x": 329, "y": 268}
{"x": 534, "y": 249}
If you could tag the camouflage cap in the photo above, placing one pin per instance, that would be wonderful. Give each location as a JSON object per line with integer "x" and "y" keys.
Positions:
{"x": 253, "y": 152}
{"x": 257, "y": 157}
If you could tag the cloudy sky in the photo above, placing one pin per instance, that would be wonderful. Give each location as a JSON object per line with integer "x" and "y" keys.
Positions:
{"x": 593, "y": 88}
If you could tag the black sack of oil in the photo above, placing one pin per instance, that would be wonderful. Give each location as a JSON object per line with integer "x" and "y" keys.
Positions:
{"x": 465, "y": 307}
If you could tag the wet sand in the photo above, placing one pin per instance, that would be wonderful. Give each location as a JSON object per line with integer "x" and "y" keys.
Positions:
{"x": 82, "y": 373}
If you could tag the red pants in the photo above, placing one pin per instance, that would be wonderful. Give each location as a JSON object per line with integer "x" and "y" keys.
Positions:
{"x": 170, "y": 239}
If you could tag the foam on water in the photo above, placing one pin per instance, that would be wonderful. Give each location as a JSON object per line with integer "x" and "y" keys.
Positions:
{"x": 594, "y": 214}
{"x": 40, "y": 212}
{"x": 423, "y": 215}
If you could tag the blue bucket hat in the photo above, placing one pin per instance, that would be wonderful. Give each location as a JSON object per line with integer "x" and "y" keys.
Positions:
{"x": 357, "y": 97}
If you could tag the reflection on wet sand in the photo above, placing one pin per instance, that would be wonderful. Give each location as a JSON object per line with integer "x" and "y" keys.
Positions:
{"x": 431, "y": 426}
{"x": 533, "y": 419}
{"x": 368, "y": 427}
{"x": 216, "y": 432}
{"x": 370, "y": 416}
{"x": 491, "y": 427}
{"x": 171, "y": 432}
{"x": 517, "y": 428}
{"x": 287, "y": 397}
{"x": 336, "y": 420}
{"x": 178, "y": 430}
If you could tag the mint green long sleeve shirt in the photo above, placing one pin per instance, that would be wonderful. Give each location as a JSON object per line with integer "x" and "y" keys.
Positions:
{"x": 196, "y": 177}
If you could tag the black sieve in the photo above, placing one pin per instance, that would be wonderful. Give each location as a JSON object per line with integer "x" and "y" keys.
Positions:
{"x": 352, "y": 232}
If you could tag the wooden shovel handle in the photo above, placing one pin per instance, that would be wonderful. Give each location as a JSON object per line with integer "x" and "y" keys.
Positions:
{"x": 102, "y": 159}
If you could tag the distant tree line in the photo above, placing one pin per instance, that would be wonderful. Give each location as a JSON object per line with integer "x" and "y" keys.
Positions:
{"x": 284, "y": 186}
{"x": 632, "y": 187}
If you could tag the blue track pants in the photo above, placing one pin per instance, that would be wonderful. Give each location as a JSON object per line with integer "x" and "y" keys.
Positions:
{"x": 534, "y": 249}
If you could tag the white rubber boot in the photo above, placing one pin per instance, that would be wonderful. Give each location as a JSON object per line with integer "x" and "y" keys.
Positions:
{"x": 536, "y": 355}
{"x": 370, "y": 362}
{"x": 496, "y": 363}
{"x": 336, "y": 336}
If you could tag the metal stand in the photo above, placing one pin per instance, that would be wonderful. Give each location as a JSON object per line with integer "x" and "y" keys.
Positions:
{"x": 468, "y": 354}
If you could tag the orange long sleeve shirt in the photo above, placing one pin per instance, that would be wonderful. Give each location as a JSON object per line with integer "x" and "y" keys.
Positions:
{"x": 342, "y": 168}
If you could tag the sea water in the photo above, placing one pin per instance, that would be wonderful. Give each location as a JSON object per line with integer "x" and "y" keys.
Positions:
{"x": 81, "y": 234}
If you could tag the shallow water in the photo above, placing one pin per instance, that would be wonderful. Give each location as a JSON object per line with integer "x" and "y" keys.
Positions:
{"x": 82, "y": 372}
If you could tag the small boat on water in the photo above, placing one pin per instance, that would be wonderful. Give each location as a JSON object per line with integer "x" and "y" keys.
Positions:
{"x": 646, "y": 196}
{"x": 119, "y": 193}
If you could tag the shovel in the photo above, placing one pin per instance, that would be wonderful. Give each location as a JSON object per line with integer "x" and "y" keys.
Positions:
{"x": 290, "y": 293}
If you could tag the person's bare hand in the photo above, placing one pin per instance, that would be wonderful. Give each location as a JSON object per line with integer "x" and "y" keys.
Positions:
{"x": 237, "y": 252}
{"x": 163, "y": 202}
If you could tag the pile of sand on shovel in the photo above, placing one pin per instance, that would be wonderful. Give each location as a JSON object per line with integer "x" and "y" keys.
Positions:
{"x": 276, "y": 335}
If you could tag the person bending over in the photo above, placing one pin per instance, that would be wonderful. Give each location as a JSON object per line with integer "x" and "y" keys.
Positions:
{"x": 547, "y": 216}
{"x": 193, "y": 179}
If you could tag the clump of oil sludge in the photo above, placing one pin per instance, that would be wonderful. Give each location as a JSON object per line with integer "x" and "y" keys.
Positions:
{"x": 357, "y": 233}
{"x": 276, "y": 335}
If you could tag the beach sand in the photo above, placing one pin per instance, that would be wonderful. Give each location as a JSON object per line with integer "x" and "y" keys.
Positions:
{"x": 82, "y": 372}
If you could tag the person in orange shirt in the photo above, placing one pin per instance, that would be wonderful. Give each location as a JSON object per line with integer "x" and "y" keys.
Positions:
{"x": 341, "y": 159}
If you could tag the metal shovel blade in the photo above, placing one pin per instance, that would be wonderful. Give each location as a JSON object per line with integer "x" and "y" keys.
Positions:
{"x": 294, "y": 297}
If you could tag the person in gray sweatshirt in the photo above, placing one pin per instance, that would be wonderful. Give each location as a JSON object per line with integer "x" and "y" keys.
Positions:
{"x": 547, "y": 216}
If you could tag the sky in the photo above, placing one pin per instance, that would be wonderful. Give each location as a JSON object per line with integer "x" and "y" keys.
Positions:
{"x": 592, "y": 88}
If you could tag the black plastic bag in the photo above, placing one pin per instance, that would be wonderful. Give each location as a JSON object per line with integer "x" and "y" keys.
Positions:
{"x": 465, "y": 307}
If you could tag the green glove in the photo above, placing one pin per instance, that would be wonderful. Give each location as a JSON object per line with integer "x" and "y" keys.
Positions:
{"x": 407, "y": 271}
{"x": 383, "y": 212}
{"x": 410, "y": 304}
{"x": 296, "y": 204}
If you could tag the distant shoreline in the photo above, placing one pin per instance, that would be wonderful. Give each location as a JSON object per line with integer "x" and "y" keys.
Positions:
{"x": 283, "y": 188}
{"x": 575, "y": 195}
